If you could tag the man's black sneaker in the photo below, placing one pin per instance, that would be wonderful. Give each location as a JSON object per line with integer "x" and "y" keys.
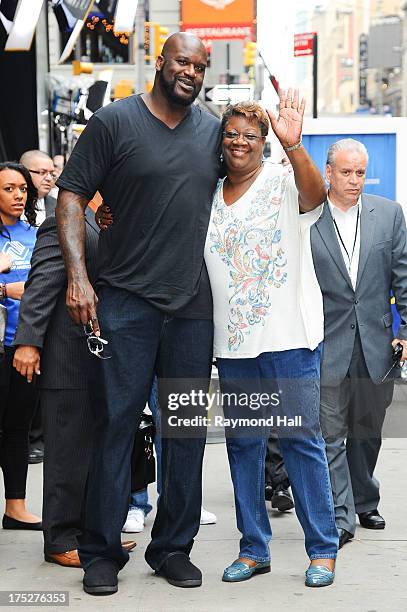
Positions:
{"x": 101, "y": 578}
{"x": 179, "y": 571}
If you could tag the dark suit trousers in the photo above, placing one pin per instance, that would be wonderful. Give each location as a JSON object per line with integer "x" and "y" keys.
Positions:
{"x": 36, "y": 436}
{"x": 354, "y": 412}
{"x": 68, "y": 434}
{"x": 275, "y": 469}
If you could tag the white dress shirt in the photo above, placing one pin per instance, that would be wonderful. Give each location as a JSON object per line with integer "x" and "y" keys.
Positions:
{"x": 40, "y": 209}
{"x": 347, "y": 226}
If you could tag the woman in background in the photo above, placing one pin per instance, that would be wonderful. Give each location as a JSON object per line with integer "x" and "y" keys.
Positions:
{"x": 18, "y": 398}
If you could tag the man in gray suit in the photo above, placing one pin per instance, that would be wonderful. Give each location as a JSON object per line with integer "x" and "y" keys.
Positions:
{"x": 360, "y": 254}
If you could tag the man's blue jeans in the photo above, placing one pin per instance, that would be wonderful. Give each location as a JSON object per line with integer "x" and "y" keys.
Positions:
{"x": 143, "y": 341}
{"x": 294, "y": 374}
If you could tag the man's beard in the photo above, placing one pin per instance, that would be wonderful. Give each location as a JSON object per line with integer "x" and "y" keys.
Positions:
{"x": 169, "y": 88}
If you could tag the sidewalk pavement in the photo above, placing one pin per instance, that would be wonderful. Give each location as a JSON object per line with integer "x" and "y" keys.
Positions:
{"x": 371, "y": 570}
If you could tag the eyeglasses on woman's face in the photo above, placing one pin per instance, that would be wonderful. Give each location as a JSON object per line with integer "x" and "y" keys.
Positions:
{"x": 247, "y": 137}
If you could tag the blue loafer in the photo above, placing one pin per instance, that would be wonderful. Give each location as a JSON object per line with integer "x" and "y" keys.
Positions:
{"x": 318, "y": 576}
{"x": 239, "y": 571}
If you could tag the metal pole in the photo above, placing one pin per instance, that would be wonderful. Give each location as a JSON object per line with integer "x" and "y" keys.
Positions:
{"x": 315, "y": 76}
{"x": 404, "y": 62}
{"x": 49, "y": 101}
{"x": 140, "y": 51}
{"x": 228, "y": 77}
{"x": 42, "y": 68}
{"x": 272, "y": 77}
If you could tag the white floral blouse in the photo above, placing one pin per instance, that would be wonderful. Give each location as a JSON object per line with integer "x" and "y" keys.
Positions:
{"x": 255, "y": 251}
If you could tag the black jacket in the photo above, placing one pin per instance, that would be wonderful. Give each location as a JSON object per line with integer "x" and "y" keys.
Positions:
{"x": 44, "y": 320}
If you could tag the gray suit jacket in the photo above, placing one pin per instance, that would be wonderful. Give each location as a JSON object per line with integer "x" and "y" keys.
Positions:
{"x": 44, "y": 321}
{"x": 382, "y": 267}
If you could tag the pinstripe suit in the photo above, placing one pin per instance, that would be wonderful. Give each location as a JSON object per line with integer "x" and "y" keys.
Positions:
{"x": 66, "y": 367}
{"x": 36, "y": 435}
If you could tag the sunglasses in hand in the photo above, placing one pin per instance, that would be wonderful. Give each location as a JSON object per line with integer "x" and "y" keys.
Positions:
{"x": 96, "y": 344}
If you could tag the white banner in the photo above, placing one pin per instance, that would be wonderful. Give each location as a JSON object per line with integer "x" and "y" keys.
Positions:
{"x": 24, "y": 24}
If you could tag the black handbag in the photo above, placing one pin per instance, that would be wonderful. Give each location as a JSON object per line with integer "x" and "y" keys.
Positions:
{"x": 142, "y": 459}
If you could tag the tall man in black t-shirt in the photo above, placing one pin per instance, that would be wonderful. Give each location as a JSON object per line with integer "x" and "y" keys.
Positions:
{"x": 154, "y": 158}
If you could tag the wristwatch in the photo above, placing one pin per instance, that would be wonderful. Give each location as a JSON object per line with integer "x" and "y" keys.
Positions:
{"x": 293, "y": 147}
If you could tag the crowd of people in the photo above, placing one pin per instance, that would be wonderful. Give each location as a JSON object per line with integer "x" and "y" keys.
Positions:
{"x": 207, "y": 252}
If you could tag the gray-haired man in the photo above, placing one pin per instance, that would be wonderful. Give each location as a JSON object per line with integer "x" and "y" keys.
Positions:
{"x": 360, "y": 254}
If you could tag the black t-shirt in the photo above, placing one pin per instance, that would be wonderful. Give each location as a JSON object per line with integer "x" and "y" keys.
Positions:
{"x": 159, "y": 184}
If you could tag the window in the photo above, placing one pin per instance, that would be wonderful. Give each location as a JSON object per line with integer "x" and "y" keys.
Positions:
{"x": 99, "y": 44}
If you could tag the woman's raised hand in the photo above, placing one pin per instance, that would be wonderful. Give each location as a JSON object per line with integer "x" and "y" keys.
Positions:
{"x": 287, "y": 126}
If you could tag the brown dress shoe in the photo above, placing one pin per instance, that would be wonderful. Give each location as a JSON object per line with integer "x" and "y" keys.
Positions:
{"x": 70, "y": 558}
{"x": 129, "y": 545}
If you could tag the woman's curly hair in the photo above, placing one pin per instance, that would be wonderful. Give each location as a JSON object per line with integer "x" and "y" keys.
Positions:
{"x": 32, "y": 194}
{"x": 249, "y": 109}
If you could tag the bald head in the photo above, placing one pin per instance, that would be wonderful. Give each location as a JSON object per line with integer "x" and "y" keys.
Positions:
{"x": 185, "y": 41}
{"x": 42, "y": 170}
{"x": 180, "y": 69}
{"x": 28, "y": 156}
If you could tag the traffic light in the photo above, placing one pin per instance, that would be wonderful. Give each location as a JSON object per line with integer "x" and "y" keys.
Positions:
{"x": 161, "y": 35}
{"x": 148, "y": 47}
{"x": 154, "y": 39}
{"x": 249, "y": 54}
{"x": 147, "y": 34}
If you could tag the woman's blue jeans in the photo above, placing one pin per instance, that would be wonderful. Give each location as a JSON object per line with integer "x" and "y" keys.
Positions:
{"x": 294, "y": 375}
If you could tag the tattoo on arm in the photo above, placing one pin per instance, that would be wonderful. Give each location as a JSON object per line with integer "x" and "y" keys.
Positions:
{"x": 71, "y": 232}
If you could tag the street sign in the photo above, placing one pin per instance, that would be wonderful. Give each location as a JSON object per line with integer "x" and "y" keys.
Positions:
{"x": 307, "y": 44}
{"x": 227, "y": 57}
{"x": 229, "y": 94}
{"x": 303, "y": 44}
